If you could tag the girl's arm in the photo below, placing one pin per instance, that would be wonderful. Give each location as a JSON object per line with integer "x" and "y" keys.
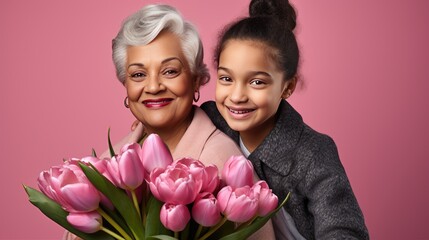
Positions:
{"x": 331, "y": 200}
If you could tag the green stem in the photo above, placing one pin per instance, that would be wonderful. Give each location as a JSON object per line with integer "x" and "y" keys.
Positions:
{"x": 143, "y": 210}
{"x": 146, "y": 197}
{"x": 114, "y": 224}
{"x": 135, "y": 201}
{"x": 113, "y": 234}
{"x": 247, "y": 223}
{"x": 197, "y": 234}
{"x": 213, "y": 229}
{"x": 176, "y": 235}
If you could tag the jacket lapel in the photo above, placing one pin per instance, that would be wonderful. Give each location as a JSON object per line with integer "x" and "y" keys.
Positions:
{"x": 277, "y": 150}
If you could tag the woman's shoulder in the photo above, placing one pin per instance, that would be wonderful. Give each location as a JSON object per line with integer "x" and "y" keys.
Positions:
{"x": 212, "y": 112}
{"x": 219, "y": 148}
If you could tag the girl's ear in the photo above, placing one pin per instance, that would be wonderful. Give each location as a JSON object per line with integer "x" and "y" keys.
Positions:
{"x": 290, "y": 87}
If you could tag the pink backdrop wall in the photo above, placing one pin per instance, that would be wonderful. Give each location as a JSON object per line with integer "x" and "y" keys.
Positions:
{"x": 364, "y": 64}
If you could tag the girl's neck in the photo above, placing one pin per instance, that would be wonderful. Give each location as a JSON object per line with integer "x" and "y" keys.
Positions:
{"x": 252, "y": 138}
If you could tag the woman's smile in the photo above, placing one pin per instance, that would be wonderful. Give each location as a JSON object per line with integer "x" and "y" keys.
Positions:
{"x": 157, "y": 103}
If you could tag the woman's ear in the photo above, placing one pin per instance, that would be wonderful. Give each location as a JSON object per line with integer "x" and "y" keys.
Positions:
{"x": 197, "y": 84}
{"x": 290, "y": 87}
{"x": 196, "y": 87}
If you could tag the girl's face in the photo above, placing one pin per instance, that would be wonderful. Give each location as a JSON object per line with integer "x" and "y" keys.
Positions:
{"x": 159, "y": 83}
{"x": 249, "y": 87}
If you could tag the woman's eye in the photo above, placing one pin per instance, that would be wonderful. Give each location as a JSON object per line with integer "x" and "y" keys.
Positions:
{"x": 137, "y": 75}
{"x": 171, "y": 72}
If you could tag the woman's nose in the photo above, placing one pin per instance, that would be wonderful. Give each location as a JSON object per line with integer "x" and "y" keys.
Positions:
{"x": 154, "y": 85}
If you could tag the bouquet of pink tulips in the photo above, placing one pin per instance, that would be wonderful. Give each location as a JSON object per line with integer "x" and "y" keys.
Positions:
{"x": 141, "y": 193}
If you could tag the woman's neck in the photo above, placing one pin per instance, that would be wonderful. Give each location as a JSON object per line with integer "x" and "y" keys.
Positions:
{"x": 171, "y": 135}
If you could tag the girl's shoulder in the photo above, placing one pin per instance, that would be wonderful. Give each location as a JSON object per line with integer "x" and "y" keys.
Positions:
{"x": 210, "y": 109}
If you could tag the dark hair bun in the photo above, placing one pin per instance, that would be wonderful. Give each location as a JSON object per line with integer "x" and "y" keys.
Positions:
{"x": 280, "y": 9}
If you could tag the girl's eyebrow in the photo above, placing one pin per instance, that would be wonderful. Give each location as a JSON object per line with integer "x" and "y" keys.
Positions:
{"x": 252, "y": 73}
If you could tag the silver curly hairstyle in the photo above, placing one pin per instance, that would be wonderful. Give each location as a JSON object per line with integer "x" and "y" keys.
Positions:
{"x": 144, "y": 26}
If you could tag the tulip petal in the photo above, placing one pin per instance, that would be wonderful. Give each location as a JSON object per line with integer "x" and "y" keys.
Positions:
{"x": 154, "y": 153}
{"x": 131, "y": 169}
{"x": 205, "y": 210}
{"x": 89, "y": 222}
{"x": 82, "y": 197}
{"x": 238, "y": 172}
{"x": 174, "y": 217}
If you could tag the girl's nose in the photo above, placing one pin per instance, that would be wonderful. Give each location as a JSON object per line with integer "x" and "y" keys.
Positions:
{"x": 238, "y": 94}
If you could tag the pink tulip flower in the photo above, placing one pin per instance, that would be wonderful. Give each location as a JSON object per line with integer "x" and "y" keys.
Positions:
{"x": 131, "y": 146}
{"x": 68, "y": 186}
{"x": 209, "y": 174}
{"x": 211, "y": 179}
{"x": 239, "y": 205}
{"x": 155, "y": 154}
{"x": 89, "y": 222}
{"x": 267, "y": 199}
{"x": 205, "y": 210}
{"x": 174, "y": 217}
{"x": 126, "y": 170}
{"x": 175, "y": 184}
{"x": 238, "y": 172}
{"x": 101, "y": 166}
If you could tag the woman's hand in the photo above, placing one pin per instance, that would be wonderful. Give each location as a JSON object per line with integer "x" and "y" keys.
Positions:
{"x": 134, "y": 125}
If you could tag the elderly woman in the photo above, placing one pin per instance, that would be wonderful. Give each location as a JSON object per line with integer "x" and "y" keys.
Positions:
{"x": 159, "y": 59}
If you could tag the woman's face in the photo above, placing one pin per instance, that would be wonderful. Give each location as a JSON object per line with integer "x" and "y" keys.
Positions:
{"x": 249, "y": 86}
{"x": 159, "y": 83}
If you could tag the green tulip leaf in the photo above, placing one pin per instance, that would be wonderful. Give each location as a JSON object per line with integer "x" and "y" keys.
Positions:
{"x": 161, "y": 237}
{"x": 94, "y": 154}
{"x": 56, "y": 213}
{"x": 119, "y": 199}
{"x": 117, "y": 218}
{"x": 112, "y": 152}
{"x": 227, "y": 228}
{"x": 245, "y": 232}
{"x": 153, "y": 223}
{"x": 187, "y": 231}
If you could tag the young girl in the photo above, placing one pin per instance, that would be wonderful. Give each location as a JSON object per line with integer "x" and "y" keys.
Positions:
{"x": 257, "y": 60}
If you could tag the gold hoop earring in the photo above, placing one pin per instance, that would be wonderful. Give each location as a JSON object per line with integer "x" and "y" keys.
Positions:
{"x": 126, "y": 102}
{"x": 198, "y": 96}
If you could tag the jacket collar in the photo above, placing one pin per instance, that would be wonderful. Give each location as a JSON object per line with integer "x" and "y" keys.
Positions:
{"x": 276, "y": 151}
{"x": 196, "y": 136}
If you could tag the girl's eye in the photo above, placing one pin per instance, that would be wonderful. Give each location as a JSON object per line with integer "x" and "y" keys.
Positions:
{"x": 225, "y": 79}
{"x": 257, "y": 82}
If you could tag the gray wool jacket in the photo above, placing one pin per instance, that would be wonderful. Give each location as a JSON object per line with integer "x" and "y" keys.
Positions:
{"x": 295, "y": 158}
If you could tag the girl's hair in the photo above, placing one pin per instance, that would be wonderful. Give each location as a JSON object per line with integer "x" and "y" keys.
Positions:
{"x": 144, "y": 26}
{"x": 270, "y": 22}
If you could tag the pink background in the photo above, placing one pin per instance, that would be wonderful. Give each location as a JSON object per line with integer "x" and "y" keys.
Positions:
{"x": 364, "y": 64}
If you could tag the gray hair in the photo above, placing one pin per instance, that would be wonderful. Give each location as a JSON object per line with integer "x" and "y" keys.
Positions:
{"x": 144, "y": 26}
